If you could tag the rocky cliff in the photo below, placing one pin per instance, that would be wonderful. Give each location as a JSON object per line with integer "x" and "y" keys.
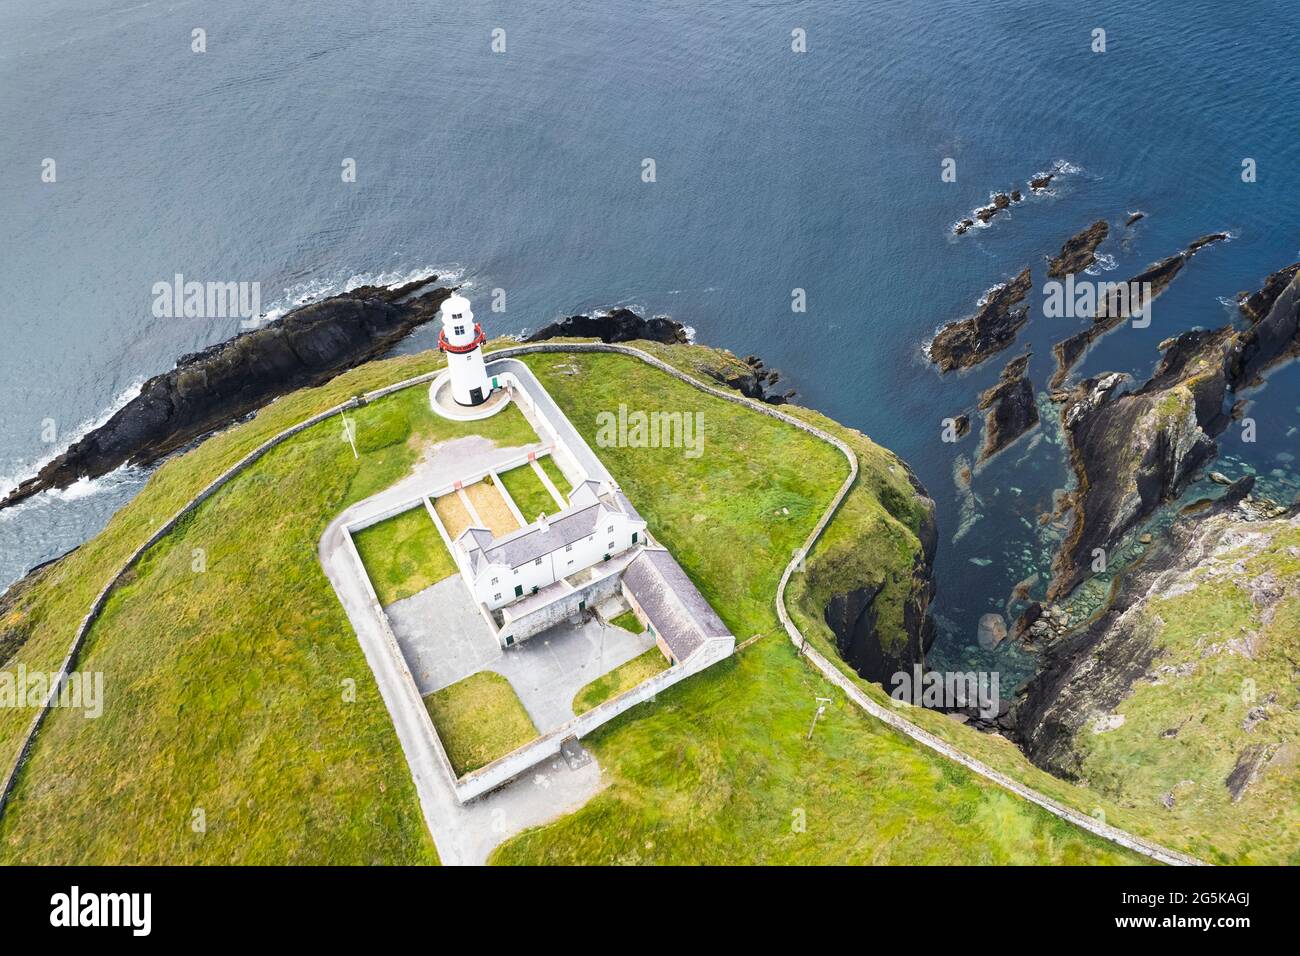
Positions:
{"x": 1133, "y": 451}
{"x": 1219, "y": 563}
{"x": 212, "y": 388}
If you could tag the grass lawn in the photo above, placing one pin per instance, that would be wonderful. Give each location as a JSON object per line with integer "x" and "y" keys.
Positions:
{"x": 717, "y": 769}
{"x": 628, "y": 622}
{"x": 403, "y": 555}
{"x": 562, "y": 484}
{"x": 528, "y": 492}
{"x": 620, "y": 679}
{"x": 479, "y": 719}
{"x": 233, "y": 685}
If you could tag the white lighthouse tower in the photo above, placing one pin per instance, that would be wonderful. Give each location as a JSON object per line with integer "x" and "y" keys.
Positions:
{"x": 463, "y": 340}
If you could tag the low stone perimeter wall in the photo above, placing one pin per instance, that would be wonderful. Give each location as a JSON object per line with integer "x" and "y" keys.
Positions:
{"x": 501, "y": 771}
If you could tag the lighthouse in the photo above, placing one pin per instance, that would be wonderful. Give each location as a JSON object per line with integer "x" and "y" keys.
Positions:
{"x": 463, "y": 340}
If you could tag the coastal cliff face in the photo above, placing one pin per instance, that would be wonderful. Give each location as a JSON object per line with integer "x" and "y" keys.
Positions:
{"x": 883, "y": 625}
{"x": 1131, "y": 452}
{"x": 1182, "y": 696}
{"x": 212, "y": 388}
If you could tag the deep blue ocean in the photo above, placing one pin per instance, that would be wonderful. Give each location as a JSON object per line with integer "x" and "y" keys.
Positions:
{"x": 522, "y": 170}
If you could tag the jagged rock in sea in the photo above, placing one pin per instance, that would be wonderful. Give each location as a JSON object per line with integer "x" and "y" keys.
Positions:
{"x": 1079, "y": 251}
{"x": 968, "y": 342}
{"x": 1134, "y": 217}
{"x": 210, "y": 389}
{"x": 997, "y": 203}
{"x": 1132, "y": 452}
{"x": 1009, "y": 407}
{"x": 617, "y": 325}
{"x": 1254, "y": 306}
{"x": 1115, "y": 306}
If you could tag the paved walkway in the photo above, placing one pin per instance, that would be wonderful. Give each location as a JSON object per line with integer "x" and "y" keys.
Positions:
{"x": 462, "y": 834}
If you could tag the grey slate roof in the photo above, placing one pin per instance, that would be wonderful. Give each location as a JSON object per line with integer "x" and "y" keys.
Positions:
{"x": 528, "y": 544}
{"x": 675, "y": 607}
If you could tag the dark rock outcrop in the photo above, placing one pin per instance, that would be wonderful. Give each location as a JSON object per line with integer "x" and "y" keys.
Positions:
{"x": 1079, "y": 251}
{"x": 1254, "y": 306}
{"x": 1092, "y": 669}
{"x": 212, "y": 388}
{"x": 970, "y": 341}
{"x": 1133, "y": 452}
{"x": 1039, "y": 183}
{"x": 1009, "y": 408}
{"x": 618, "y": 325}
{"x": 1114, "y": 307}
{"x": 1134, "y": 217}
{"x": 997, "y": 203}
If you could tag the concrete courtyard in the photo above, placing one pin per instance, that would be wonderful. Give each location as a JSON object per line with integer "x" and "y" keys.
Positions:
{"x": 445, "y": 639}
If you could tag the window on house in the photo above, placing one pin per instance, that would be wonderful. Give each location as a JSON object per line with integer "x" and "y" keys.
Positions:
{"x": 568, "y": 547}
{"x": 609, "y": 530}
{"x": 457, "y": 315}
{"x": 497, "y": 596}
{"x": 494, "y": 581}
{"x": 611, "y": 546}
{"x": 459, "y": 330}
{"x": 538, "y": 561}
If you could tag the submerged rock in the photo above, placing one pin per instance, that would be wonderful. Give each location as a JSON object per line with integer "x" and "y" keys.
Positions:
{"x": 212, "y": 388}
{"x": 968, "y": 342}
{"x": 991, "y": 631}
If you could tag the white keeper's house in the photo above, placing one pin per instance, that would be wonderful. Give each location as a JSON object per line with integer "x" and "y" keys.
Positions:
{"x": 599, "y": 524}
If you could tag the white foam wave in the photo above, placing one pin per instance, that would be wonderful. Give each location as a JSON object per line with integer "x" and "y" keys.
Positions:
{"x": 82, "y": 488}
{"x": 1104, "y": 263}
{"x": 313, "y": 290}
{"x": 24, "y": 469}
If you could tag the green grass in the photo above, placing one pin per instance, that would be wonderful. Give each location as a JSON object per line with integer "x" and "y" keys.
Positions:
{"x": 620, "y": 679}
{"x": 1210, "y": 683}
{"x": 239, "y": 689}
{"x": 230, "y": 690}
{"x": 478, "y": 720}
{"x": 562, "y": 484}
{"x": 628, "y": 622}
{"x": 717, "y": 769}
{"x": 403, "y": 555}
{"x": 530, "y": 495}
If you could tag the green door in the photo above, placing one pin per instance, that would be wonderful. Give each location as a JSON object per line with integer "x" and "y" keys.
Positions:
{"x": 519, "y": 590}
{"x": 634, "y": 537}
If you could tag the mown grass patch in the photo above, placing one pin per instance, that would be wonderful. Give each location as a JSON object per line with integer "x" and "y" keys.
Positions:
{"x": 622, "y": 678}
{"x": 628, "y": 622}
{"x": 553, "y": 472}
{"x": 478, "y": 720}
{"x": 529, "y": 494}
{"x": 403, "y": 555}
